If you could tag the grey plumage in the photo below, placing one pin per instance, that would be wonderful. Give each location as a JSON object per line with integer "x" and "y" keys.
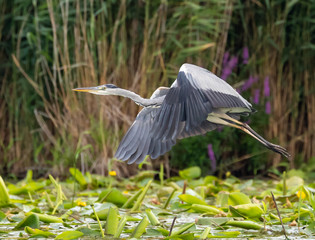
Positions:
{"x": 197, "y": 102}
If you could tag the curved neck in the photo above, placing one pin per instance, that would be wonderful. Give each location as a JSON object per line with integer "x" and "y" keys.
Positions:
{"x": 144, "y": 102}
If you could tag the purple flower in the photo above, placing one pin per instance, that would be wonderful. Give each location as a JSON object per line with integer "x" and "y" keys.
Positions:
{"x": 256, "y": 96}
{"x": 266, "y": 87}
{"x": 228, "y": 66}
{"x": 251, "y": 80}
{"x": 245, "y": 55}
{"x": 233, "y": 62}
{"x": 212, "y": 158}
{"x": 225, "y": 58}
{"x": 268, "y": 107}
{"x": 226, "y": 73}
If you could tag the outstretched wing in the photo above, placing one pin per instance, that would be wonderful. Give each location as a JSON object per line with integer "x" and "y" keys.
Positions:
{"x": 183, "y": 113}
{"x": 138, "y": 141}
{"x": 193, "y": 95}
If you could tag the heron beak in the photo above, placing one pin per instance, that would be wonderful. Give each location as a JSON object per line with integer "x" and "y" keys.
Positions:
{"x": 87, "y": 89}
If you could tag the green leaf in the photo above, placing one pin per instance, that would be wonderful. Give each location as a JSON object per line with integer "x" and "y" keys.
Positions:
{"x": 30, "y": 221}
{"x": 29, "y": 187}
{"x": 205, "y": 209}
{"x": 190, "y": 173}
{"x": 4, "y": 195}
{"x": 89, "y": 232}
{"x": 205, "y": 233}
{"x": 36, "y": 233}
{"x": 78, "y": 176}
{"x": 222, "y": 199}
{"x": 112, "y": 195}
{"x": 120, "y": 227}
{"x": 46, "y": 218}
{"x": 213, "y": 220}
{"x": 2, "y": 216}
{"x": 227, "y": 234}
{"x": 251, "y": 210}
{"x": 245, "y": 224}
{"x": 191, "y": 199}
{"x": 182, "y": 229}
{"x": 112, "y": 221}
{"x": 237, "y": 198}
{"x": 138, "y": 202}
{"x": 140, "y": 228}
{"x": 153, "y": 219}
{"x": 102, "y": 214}
{"x": 67, "y": 235}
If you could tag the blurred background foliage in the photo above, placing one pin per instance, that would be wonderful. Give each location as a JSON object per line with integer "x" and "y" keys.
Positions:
{"x": 265, "y": 49}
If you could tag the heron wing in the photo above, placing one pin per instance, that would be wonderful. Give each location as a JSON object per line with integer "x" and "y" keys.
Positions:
{"x": 193, "y": 95}
{"x": 138, "y": 141}
{"x": 204, "y": 127}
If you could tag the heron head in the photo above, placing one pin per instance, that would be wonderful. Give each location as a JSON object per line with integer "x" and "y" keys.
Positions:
{"x": 105, "y": 89}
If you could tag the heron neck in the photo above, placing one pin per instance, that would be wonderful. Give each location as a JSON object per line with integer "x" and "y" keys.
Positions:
{"x": 144, "y": 102}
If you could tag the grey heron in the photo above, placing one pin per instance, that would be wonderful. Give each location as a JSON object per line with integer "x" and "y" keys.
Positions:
{"x": 197, "y": 102}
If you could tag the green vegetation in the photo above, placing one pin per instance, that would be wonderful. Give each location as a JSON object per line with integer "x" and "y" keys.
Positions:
{"x": 182, "y": 207}
{"x": 49, "y": 47}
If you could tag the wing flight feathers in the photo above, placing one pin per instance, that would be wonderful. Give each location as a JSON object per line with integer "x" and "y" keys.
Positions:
{"x": 194, "y": 94}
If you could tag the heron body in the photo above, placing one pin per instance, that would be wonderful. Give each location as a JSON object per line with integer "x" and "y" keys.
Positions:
{"x": 197, "y": 102}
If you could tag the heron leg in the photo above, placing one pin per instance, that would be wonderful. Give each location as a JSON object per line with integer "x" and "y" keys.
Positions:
{"x": 224, "y": 119}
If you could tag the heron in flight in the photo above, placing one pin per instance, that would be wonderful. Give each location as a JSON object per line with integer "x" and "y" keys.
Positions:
{"x": 197, "y": 102}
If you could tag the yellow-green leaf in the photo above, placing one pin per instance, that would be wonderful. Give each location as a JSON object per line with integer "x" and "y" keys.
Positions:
{"x": 250, "y": 210}
{"x": 46, "y": 218}
{"x": 190, "y": 173}
{"x": 205, "y": 209}
{"x": 237, "y": 198}
{"x": 30, "y": 221}
{"x": 140, "y": 228}
{"x": 76, "y": 173}
{"x": 67, "y": 235}
{"x": 112, "y": 221}
{"x": 191, "y": 199}
{"x": 4, "y": 195}
{"x": 245, "y": 224}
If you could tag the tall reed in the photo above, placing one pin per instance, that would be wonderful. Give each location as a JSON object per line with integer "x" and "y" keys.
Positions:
{"x": 52, "y": 47}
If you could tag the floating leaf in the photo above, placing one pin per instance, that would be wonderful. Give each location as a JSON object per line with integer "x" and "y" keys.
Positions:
{"x": 2, "y": 216}
{"x": 191, "y": 199}
{"x": 227, "y": 234}
{"x": 205, "y": 209}
{"x": 112, "y": 221}
{"x": 190, "y": 173}
{"x": 213, "y": 221}
{"x": 120, "y": 227}
{"x": 248, "y": 210}
{"x": 76, "y": 173}
{"x": 182, "y": 229}
{"x": 37, "y": 233}
{"x": 102, "y": 214}
{"x": 112, "y": 195}
{"x": 46, "y": 218}
{"x": 205, "y": 233}
{"x": 29, "y": 221}
{"x": 89, "y": 232}
{"x": 68, "y": 235}
{"x": 245, "y": 224}
{"x": 4, "y": 195}
{"x": 29, "y": 187}
{"x": 222, "y": 199}
{"x": 153, "y": 219}
{"x": 140, "y": 228}
{"x": 237, "y": 198}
